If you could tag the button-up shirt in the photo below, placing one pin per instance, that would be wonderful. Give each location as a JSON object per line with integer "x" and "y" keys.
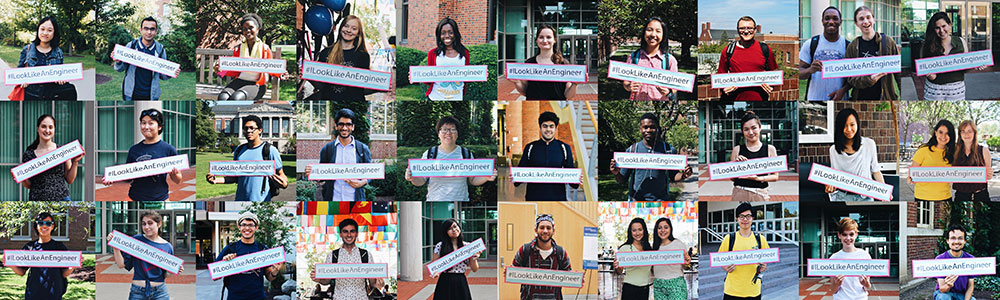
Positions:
{"x": 345, "y": 155}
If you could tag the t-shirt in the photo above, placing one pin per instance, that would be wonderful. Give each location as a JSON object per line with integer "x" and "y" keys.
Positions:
{"x": 543, "y": 90}
{"x": 354, "y": 58}
{"x": 671, "y": 271}
{"x": 869, "y": 49}
{"x": 637, "y": 276}
{"x": 248, "y": 188}
{"x": 458, "y": 268}
{"x": 347, "y": 288}
{"x": 448, "y": 90}
{"x": 749, "y": 59}
{"x": 740, "y": 282}
{"x": 143, "y": 77}
{"x": 149, "y": 188}
{"x": 248, "y": 285}
{"x": 863, "y": 163}
{"x": 147, "y": 271}
{"x": 45, "y": 283}
{"x": 819, "y": 88}
{"x": 962, "y": 282}
{"x": 650, "y": 184}
{"x": 930, "y": 190}
{"x": 851, "y": 288}
{"x": 447, "y": 188}
{"x": 49, "y": 185}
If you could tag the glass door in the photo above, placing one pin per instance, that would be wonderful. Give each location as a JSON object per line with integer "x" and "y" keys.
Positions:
{"x": 979, "y": 30}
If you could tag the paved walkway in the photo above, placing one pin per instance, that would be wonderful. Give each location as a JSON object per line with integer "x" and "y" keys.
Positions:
{"x": 979, "y": 85}
{"x": 482, "y": 283}
{"x": 785, "y": 189}
{"x": 819, "y": 289}
{"x": 114, "y": 283}
{"x": 85, "y": 88}
{"x": 119, "y": 191}
{"x": 507, "y": 92}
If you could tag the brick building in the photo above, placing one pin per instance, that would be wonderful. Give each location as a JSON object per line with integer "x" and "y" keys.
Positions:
{"x": 77, "y": 234}
{"x": 876, "y": 125}
{"x": 316, "y": 125}
{"x": 417, "y": 22}
{"x": 278, "y": 118}
{"x": 785, "y": 48}
{"x": 921, "y": 233}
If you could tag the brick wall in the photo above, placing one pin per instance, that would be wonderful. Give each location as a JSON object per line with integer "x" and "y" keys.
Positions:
{"x": 789, "y": 90}
{"x": 876, "y": 125}
{"x": 522, "y": 122}
{"x": 77, "y": 234}
{"x": 381, "y": 149}
{"x": 471, "y": 16}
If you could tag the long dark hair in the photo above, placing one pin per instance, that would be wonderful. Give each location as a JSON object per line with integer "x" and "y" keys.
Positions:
{"x": 839, "y": 139}
{"x": 557, "y": 57}
{"x": 446, "y": 240}
{"x": 54, "y": 43}
{"x": 663, "y": 41}
{"x": 34, "y": 145}
{"x": 932, "y": 43}
{"x": 645, "y": 234}
{"x": 656, "y": 236}
{"x": 456, "y": 42}
{"x": 949, "y": 149}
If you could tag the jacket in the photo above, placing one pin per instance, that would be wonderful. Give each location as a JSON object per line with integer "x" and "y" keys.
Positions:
{"x": 890, "y": 82}
{"x": 129, "y": 82}
{"x": 262, "y": 80}
{"x": 329, "y": 155}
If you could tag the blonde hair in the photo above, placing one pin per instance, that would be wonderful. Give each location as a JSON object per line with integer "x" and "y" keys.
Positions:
{"x": 337, "y": 54}
{"x": 847, "y": 224}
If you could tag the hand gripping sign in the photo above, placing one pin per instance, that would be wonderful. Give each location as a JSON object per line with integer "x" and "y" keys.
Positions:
{"x": 481, "y": 167}
{"x": 747, "y": 79}
{"x": 847, "y": 267}
{"x": 347, "y": 76}
{"x": 954, "y": 62}
{"x": 658, "y": 77}
{"x": 540, "y": 72}
{"x": 43, "y": 74}
{"x": 246, "y": 262}
{"x": 543, "y": 277}
{"x": 546, "y": 175}
{"x": 45, "y": 162}
{"x": 43, "y": 259}
{"x": 145, "y": 61}
{"x": 343, "y": 270}
{"x": 146, "y": 168}
{"x": 954, "y": 266}
{"x": 849, "y": 182}
{"x": 743, "y": 257}
{"x": 851, "y": 67}
{"x": 259, "y": 65}
{"x": 629, "y": 160}
{"x": 448, "y": 73}
{"x": 242, "y": 167}
{"x": 145, "y": 252}
{"x": 455, "y": 257}
{"x": 948, "y": 174}
{"x": 649, "y": 258}
{"x": 748, "y": 167}
{"x": 347, "y": 171}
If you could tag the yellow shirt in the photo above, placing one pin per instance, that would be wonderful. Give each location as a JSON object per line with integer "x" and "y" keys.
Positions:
{"x": 740, "y": 282}
{"x": 931, "y": 190}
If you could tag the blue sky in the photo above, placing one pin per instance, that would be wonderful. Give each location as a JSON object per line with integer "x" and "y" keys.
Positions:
{"x": 777, "y": 16}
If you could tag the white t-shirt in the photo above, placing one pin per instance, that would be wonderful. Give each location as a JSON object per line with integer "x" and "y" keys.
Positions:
{"x": 850, "y": 288}
{"x": 670, "y": 271}
{"x": 448, "y": 90}
{"x": 448, "y": 188}
{"x": 863, "y": 162}
{"x": 819, "y": 87}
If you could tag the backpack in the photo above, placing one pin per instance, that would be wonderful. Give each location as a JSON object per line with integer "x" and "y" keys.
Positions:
{"x": 732, "y": 240}
{"x": 764, "y": 49}
{"x": 631, "y": 178}
{"x": 266, "y": 153}
{"x": 665, "y": 65}
{"x": 432, "y": 153}
{"x": 813, "y": 44}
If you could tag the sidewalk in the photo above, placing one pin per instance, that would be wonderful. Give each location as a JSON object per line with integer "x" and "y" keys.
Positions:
{"x": 118, "y": 191}
{"x": 507, "y": 92}
{"x": 785, "y": 189}
{"x": 814, "y": 288}
{"x": 979, "y": 85}
{"x": 115, "y": 283}
{"x": 482, "y": 283}
{"x": 288, "y": 194}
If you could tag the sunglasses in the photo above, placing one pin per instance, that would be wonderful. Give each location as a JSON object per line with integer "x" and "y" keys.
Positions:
{"x": 44, "y": 223}
{"x": 151, "y": 113}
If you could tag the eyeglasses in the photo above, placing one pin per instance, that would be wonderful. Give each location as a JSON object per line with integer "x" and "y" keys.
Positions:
{"x": 250, "y": 128}
{"x": 449, "y": 130}
{"x": 746, "y": 217}
{"x": 44, "y": 223}
{"x": 248, "y": 225}
{"x": 345, "y": 124}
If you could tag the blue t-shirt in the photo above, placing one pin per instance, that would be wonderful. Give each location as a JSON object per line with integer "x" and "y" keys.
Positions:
{"x": 147, "y": 271}
{"x": 248, "y": 285}
{"x": 143, "y": 77}
{"x": 45, "y": 283}
{"x": 149, "y": 188}
{"x": 248, "y": 188}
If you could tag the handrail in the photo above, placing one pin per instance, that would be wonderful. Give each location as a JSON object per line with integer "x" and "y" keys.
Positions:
{"x": 592, "y": 118}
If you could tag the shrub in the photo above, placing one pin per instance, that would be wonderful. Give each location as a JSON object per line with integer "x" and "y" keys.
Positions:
{"x": 120, "y": 36}
{"x": 8, "y": 35}
{"x": 304, "y": 190}
{"x": 483, "y": 54}
{"x": 406, "y": 57}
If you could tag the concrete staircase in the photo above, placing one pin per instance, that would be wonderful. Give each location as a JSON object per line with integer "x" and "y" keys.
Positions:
{"x": 780, "y": 279}
{"x": 586, "y": 158}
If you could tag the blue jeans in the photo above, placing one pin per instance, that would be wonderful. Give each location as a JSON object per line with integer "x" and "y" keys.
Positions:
{"x": 154, "y": 293}
{"x": 938, "y": 295}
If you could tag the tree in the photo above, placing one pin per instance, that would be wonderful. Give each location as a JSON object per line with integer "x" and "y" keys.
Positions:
{"x": 223, "y": 20}
{"x": 205, "y": 135}
{"x": 70, "y": 14}
{"x": 276, "y": 228}
{"x": 15, "y": 214}
{"x": 626, "y": 20}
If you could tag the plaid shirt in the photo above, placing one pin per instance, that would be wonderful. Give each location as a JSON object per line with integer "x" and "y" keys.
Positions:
{"x": 529, "y": 257}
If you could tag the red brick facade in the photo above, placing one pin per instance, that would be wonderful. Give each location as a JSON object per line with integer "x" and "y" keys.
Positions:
{"x": 78, "y": 234}
{"x": 381, "y": 149}
{"x": 876, "y": 125}
{"x": 522, "y": 122}
{"x": 471, "y": 16}
{"x": 922, "y": 246}
{"x": 785, "y": 49}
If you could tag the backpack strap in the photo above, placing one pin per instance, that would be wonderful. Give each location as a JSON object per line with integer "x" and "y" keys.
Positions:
{"x": 529, "y": 150}
{"x": 364, "y": 255}
{"x": 432, "y": 153}
{"x": 635, "y": 57}
{"x": 757, "y": 236}
{"x": 565, "y": 149}
{"x": 729, "y": 54}
{"x": 732, "y": 240}
{"x": 666, "y": 61}
{"x": 814, "y": 43}
{"x": 883, "y": 45}
{"x": 766, "y": 51}
{"x": 239, "y": 150}
{"x": 466, "y": 153}
{"x": 266, "y": 155}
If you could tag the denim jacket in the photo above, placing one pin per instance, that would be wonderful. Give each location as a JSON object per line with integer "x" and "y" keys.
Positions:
{"x": 28, "y": 58}
{"x": 128, "y": 83}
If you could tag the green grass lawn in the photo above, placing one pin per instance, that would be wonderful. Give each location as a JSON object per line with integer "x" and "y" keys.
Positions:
{"x": 411, "y": 92}
{"x": 180, "y": 88}
{"x": 207, "y": 190}
{"x": 12, "y": 287}
{"x": 10, "y": 55}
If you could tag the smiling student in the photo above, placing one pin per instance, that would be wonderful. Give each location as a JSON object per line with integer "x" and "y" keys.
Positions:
{"x": 449, "y": 52}
{"x": 969, "y": 153}
{"x": 854, "y": 287}
{"x": 871, "y": 43}
{"x": 827, "y": 46}
{"x": 746, "y": 54}
{"x": 148, "y": 281}
{"x": 653, "y": 53}
{"x": 350, "y": 51}
{"x": 853, "y": 154}
{"x": 547, "y": 41}
{"x": 151, "y": 188}
{"x": 45, "y": 51}
{"x": 939, "y": 151}
{"x": 247, "y": 85}
{"x": 249, "y": 285}
{"x": 53, "y": 184}
{"x": 752, "y": 187}
{"x": 939, "y": 42}
{"x": 140, "y": 83}
{"x": 637, "y": 279}
{"x": 42, "y": 282}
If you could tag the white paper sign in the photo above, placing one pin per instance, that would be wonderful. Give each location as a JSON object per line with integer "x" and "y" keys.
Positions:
{"x": 543, "y": 72}
{"x": 589, "y": 255}
{"x": 246, "y": 262}
{"x": 629, "y": 160}
{"x": 43, "y": 74}
{"x": 146, "y": 168}
{"x": 659, "y": 77}
{"x": 259, "y": 65}
{"x": 340, "y": 271}
{"x": 743, "y": 257}
{"x": 455, "y": 257}
{"x": 448, "y": 73}
{"x": 849, "y": 182}
{"x": 850, "y": 67}
{"x": 543, "y": 277}
{"x": 954, "y": 266}
{"x": 346, "y": 76}
{"x": 145, "y": 252}
{"x": 43, "y": 259}
{"x": 242, "y": 168}
{"x": 748, "y": 167}
{"x": 847, "y": 267}
{"x": 45, "y": 162}
{"x": 546, "y": 175}
{"x": 347, "y": 171}
{"x": 948, "y": 174}
{"x": 747, "y": 79}
{"x": 479, "y": 167}
{"x": 649, "y": 258}
{"x": 145, "y": 61}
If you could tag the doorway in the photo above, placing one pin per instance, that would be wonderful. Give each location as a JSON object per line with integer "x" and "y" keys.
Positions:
{"x": 971, "y": 21}
{"x": 580, "y": 50}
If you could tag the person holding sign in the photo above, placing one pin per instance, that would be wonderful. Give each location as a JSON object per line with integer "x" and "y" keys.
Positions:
{"x": 247, "y": 85}
{"x": 43, "y": 283}
{"x": 248, "y": 285}
{"x": 954, "y": 287}
{"x": 939, "y": 42}
{"x": 147, "y": 279}
{"x": 449, "y": 52}
{"x": 636, "y": 282}
{"x": 447, "y": 188}
{"x": 254, "y": 188}
{"x": 550, "y": 153}
{"x": 746, "y": 54}
{"x": 140, "y": 83}
{"x": 452, "y": 285}
{"x": 744, "y": 281}
{"x": 53, "y": 184}
{"x": 653, "y": 53}
{"x": 970, "y": 153}
{"x": 668, "y": 280}
{"x": 45, "y": 51}
{"x": 852, "y": 153}
{"x": 542, "y": 253}
{"x": 151, "y": 188}
{"x": 547, "y": 41}
{"x": 350, "y": 51}
{"x": 649, "y": 184}
{"x": 344, "y": 150}
{"x": 752, "y": 187}
{"x": 828, "y": 46}
{"x": 854, "y": 287}
{"x": 349, "y": 252}
{"x": 939, "y": 151}
{"x": 879, "y": 86}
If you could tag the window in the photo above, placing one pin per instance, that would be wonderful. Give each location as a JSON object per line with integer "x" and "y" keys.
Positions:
{"x": 925, "y": 214}
{"x": 312, "y": 119}
{"x": 383, "y": 118}
{"x": 264, "y": 129}
{"x": 816, "y": 122}
{"x": 218, "y": 125}
{"x": 276, "y": 127}
{"x": 284, "y": 126}
{"x": 404, "y": 22}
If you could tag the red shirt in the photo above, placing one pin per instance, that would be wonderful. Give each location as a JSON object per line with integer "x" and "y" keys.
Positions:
{"x": 749, "y": 59}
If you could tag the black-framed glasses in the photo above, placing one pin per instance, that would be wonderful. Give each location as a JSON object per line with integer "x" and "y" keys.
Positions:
{"x": 44, "y": 223}
{"x": 341, "y": 124}
{"x": 745, "y": 216}
{"x": 248, "y": 225}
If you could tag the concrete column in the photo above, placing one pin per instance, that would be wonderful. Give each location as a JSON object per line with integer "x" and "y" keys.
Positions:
{"x": 140, "y": 106}
{"x": 215, "y": 238}
{"x": 816, "y": 13}
{"x": 410, "y": 258}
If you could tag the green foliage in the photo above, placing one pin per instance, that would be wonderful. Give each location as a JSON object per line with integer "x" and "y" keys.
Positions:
{"x": 406, "y": 58}
{"x": 993, "y": 142}
{"x": 682, "y": 137}
{"x": 205, "y": 135}
{"x": 276, "y": 228}
{"x": 387, "y": 186}
{"x": 417, "y": 120}
{"x": 278, "y": 18}
{"x": 14, "y": 214}
{"x": 290, "y": 146}
{"x": 305, "y": 190}
{"x": 958, "y": 213}
{"x": 362, "y": 126}
{"x": 182, "y": 40}
{"x": 628, "y": 19}
{"x": 89, "y": 262}
{"x": 8, "y": 35}
{"x": 117, "y": 35}
{"x": 228, "y": 144}
{"x": 483, "y": 54}
{"x": 110, "y": 14}
{"x": 70, "y": 14}
{"x": 619, "y": 126}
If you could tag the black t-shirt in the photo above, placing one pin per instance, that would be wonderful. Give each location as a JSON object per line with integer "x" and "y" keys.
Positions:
{"x": 354, "y": 58}
{"x": 543, "y": 90}
{"x": 869, "y": 49}
{"x": 45, "y": 283}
